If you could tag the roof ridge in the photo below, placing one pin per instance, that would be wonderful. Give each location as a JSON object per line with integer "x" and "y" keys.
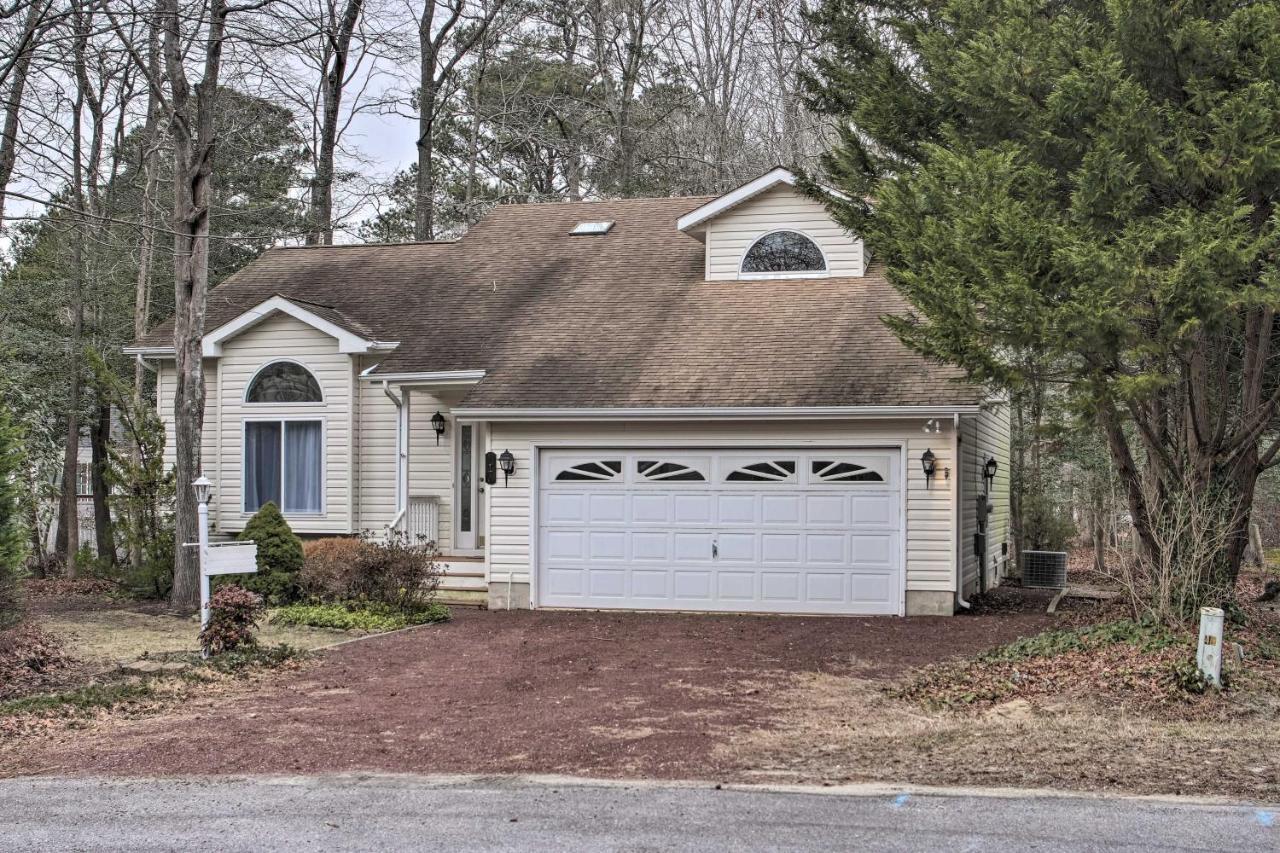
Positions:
{"x": 377, "y": 244}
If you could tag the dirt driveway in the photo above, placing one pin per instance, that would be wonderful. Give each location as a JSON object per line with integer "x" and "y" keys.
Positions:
{"x": 586, "y": 693}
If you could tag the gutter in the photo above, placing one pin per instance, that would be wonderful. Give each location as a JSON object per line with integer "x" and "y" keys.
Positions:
{"x": 717, "y": 413}
{"x": 402, "y": 413}
{"x": 958, "y": 513}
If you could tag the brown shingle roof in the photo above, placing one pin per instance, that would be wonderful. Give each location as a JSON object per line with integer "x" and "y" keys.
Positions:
{"x": 624, "y": 320}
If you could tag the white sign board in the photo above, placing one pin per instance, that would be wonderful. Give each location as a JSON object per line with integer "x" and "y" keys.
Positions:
{"x": 231, "y": 558}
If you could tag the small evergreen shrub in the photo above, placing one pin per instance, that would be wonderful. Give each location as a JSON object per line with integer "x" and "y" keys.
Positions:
{"x": 279, "y": 556}
{"x": 233, "y": 615}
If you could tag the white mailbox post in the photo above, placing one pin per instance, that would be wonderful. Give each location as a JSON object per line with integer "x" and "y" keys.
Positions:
{"x": 1209, "y": 653}
{"x": 224, "y": 558}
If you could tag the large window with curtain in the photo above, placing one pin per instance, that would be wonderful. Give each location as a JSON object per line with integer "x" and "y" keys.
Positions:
{"x": 284, "y": 464}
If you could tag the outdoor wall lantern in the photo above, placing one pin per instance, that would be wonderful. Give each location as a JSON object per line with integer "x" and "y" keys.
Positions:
{"x": 989, "y": 471}
{"x": 929, "y": 463}
{"x": 507, "y": 463}
{"x": 437, "y": 424}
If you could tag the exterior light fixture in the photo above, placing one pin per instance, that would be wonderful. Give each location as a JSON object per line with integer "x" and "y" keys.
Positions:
{"x": 507, "y": 463}
{"x": 204, "y": 489}
{"x": 437, "y": 424}
{"x": 989, "y": 470}
{"x": 929, "y": 464}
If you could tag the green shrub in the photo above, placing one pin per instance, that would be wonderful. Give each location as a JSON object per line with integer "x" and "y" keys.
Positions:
{"x": 254, "y": 657}
{"x": 233, "y": 615}
{"x": 355, "y": 616}
{"x": 12, "y": 527}
{"x": 279, "y": 556}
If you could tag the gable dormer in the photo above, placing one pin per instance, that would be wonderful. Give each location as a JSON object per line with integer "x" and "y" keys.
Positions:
{"x": 769, "y": 229}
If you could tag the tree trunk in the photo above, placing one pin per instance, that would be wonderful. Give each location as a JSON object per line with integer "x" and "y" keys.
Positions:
{"x": 334, "y": 80}
{"x": 194, "y": 141}
{"x": 425, "y": 201}
{"x": 101, "y": 437}
{"x": 13, "y": 99}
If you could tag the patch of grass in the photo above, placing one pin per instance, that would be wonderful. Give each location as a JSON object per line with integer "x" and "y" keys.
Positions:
{"x": 357, "y": 617}
{"x": 80, "y": 701}
{"x": 1145, "y": 636}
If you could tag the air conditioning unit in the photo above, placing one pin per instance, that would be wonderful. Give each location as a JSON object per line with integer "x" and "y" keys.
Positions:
{"x": 1044, "y": 569}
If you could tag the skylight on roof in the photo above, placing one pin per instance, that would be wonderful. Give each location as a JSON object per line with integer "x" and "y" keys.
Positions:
{"x": 591, "y": 228}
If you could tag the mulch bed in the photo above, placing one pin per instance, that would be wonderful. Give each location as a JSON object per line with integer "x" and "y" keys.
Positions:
{"x": 620, "y": 694}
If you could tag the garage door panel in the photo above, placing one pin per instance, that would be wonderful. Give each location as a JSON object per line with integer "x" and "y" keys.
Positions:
{"x": 609, "y": 584}
{"x": 565, "y": 545}
{"x": 780, "y": 547}
{"x": 779, "y": 509}
{"x": 606, "y": 545}
{"x": 737, "y": 509}
{"x": 564, "y": 507}
{"x": 736, "y": 586}
{"x": 765, "y": 531}
{"x": 827, "y": 587}
{"x": 650, "y": 583}
{"x": 650, "y": 545}
{"x": 607, "y": 508}
{"x": 651, "y": 509}
{"x": 691, "y": 546}
{"x": 691, "y": 509}
{"x": 780, "y": 586}
{"x": 737, "y": 546}
{"x": 691, "y": 585}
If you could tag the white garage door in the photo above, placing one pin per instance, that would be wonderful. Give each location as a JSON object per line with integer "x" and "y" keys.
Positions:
{"x": 774, "y": 530}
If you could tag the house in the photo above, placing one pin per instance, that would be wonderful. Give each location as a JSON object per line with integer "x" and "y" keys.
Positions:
{"x": 671, "y": 404}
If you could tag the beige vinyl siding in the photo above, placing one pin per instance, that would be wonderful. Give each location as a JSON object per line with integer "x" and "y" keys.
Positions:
{"x": 375, "y": 473}
{"x": 985, "y": 436}
{"x": 283, "y": 337}
{"x": 729, "y": 235}
{"x": 431, "y": 467}
{"x": 929, "y": 554}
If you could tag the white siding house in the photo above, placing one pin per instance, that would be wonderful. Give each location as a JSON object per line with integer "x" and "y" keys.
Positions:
{"x": 670, "y": 445}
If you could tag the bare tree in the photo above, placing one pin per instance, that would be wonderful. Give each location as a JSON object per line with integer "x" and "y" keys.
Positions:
{"x": 16, "y": 71}
{"x": 448, "y": 30}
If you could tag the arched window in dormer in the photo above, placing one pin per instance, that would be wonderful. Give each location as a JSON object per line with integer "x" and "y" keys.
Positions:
{"x": 284, "y": 382}
{"x": 783, "y": 252}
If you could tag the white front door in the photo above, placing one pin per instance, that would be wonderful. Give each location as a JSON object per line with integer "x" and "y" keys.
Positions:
{"x": 778, "y": 530}
{"x": 469, "y": 488}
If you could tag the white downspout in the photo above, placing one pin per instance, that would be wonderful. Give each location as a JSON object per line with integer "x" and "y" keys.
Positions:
{"x": 958, "y": 511}
{"x": 400, "y": 442}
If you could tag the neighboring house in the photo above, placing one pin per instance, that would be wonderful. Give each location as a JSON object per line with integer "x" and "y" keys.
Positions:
{"x": 701, "y": 405}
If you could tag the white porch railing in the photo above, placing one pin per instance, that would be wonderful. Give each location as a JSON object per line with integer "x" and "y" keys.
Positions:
{"x": 422, "y": 521}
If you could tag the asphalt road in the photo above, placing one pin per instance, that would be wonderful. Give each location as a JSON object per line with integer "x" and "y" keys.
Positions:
{"x": 399, "y": 813}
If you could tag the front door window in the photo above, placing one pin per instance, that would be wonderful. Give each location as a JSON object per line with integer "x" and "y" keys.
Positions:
{"x": 466, "y": 461}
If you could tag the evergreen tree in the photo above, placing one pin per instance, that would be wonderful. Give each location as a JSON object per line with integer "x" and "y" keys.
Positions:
{"x": 12, "y": 529}
{"x": 1087, "y": 190}
{"x": 279, "y": 556}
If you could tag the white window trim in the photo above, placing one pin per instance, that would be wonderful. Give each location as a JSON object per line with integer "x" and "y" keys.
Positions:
{"x": 249, "y": 385}
{"x": 825, "y": 272}
{"x": 749, "y": 190}
{"x": 324, "y": 462}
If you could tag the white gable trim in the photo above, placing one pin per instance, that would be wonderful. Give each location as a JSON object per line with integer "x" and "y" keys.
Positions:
{"x": 348, "y": 342}
{"x": 747, "y": 191}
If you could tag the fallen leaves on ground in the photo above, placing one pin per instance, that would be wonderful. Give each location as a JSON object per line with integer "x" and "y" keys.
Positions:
{"x": 30, "y": 658}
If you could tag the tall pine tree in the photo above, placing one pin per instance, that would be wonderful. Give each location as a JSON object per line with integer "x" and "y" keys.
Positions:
{"x": 1088, "y": 187}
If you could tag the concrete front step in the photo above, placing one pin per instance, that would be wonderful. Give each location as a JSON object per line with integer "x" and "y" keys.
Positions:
{"x": 463, "y": 597}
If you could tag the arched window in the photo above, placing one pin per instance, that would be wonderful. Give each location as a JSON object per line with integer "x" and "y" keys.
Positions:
{"x": 784, "y": 252}
{"x": 284, "y": 382}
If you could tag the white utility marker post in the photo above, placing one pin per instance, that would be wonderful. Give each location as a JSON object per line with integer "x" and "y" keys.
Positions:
{"x": 232, "y": 558}
{"x": 1209, "y": 655}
